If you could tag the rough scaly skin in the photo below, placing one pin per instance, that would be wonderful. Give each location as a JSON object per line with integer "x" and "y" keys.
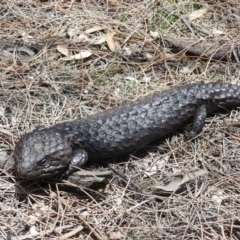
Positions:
{"x": 62, "y": 148}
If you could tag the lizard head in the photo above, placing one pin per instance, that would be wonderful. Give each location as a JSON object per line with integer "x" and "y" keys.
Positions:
{"x": 42, "y": 153}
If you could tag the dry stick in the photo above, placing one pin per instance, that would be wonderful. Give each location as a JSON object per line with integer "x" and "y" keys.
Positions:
{"x": 188, "y": 25}
{"x": 231, "y": 226}
{"x": 183, "y": 18}
{"x": 72, "y": 233}
{"x": 90, "y": 227}
{"x": 124, "y": 176}
{"x": 30, "y": 236}
{"x": 235, "y": 55}
{"x": 199, "y": 48}
{"x": 200, "y": 29}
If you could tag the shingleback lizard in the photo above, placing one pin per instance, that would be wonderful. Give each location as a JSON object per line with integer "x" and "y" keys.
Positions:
{"x": 61, "y": 149}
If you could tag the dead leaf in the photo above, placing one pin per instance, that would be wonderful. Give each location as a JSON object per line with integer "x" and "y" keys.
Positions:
{"x": 178, "y": 181}
{"x": 33, "y": 231}
{"x": 42, "y": 70}
{"x": 62, "y": 49}
{"x": 149, "y": 56}
{"x": 2, "y": 110}
{"x": 100, "y": 40}
{"x": 23, "y": 49}
{"x": 82, "y": 38}
{"x": 110, "y": 41}
{"x": 71, "y": 32}
{"x": 197, "y": 14}
{"x": 186, "y": 69}
{"x": 94, "y": 29}
{"x": 218, "y": 32}
{"x": 23, "y": 53}
{"x": 146, "y": 79}
{"x": 155, "y": 34}
{"x": 154, "y": 167}
{"x": 81, "y": 55}
{"x": 3, "y": 156}
{"x": 116, "y": 236}
{"x": 26, "y": 35}
{"x": 5, "y": 55}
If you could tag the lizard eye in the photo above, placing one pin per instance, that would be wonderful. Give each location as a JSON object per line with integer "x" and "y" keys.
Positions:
{"x": 43, "y": 162}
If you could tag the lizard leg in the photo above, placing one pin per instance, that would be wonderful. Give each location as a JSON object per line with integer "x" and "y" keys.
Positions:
{"x": 198, "y": 122}
{"x": 79, "y": 158}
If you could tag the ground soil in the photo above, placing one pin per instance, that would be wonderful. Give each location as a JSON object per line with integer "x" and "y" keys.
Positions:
{"x": 64, "y": 60}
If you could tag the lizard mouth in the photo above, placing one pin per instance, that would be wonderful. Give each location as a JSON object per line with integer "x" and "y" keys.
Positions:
{"x": 38, "y": 172}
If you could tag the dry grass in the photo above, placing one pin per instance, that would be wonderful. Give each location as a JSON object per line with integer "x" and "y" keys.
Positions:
{"x": 39, "y": 87}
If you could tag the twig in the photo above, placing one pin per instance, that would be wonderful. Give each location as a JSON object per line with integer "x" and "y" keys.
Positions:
{"x": 125, "y": 177}
{"x": 72, "y": 233}
{"x": 90, "y": 227}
